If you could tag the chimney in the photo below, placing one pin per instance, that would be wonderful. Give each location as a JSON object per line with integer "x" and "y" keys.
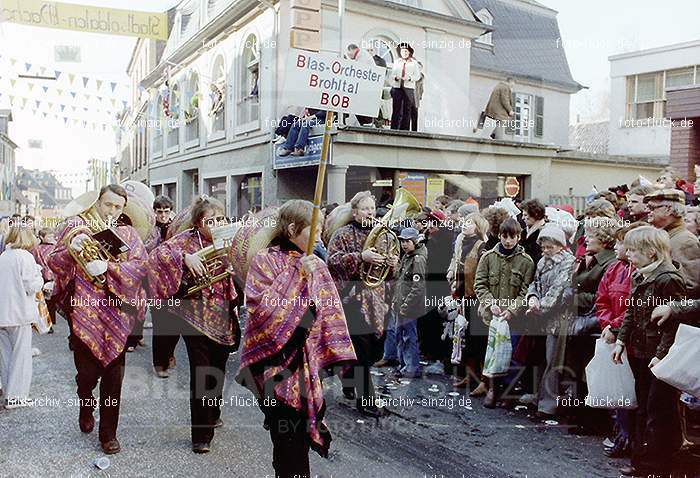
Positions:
{"x": 5, "y": 118}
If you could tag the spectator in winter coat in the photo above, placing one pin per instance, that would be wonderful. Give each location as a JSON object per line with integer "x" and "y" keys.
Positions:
{"x": 692, "y": 220}
{"x": 667, "y": 209}
{"x": 546, "y": 305}
{"x": 611, "y": 305}
{"x": 636, "y": 206}
{"x": 409, "y": 301}
{"x": 534, "y": 217}
{"x": 656, "y": 280}
{"x": 502, "y": 278}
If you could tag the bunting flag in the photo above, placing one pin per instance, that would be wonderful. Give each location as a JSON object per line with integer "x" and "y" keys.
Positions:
{"x": 45, "y": 88}
{"x": 24, "y": 102}
{"x": 74, "y": 108}
{"x": 57, "y": 73}
{"x": 38, "y": 103}
{"x": 63, "y": 107}
{"x": 113, "y": 102}
{"x": 71, "y": 77}
{"x": 12, "y": 82}
{"x": 113, "y": 85}
{"x": 84, "y": 124}
{"x": 65, "y": 120}
{"x": 87, "y": 97}
{"x": 27, "y": 66}
{"x": 124, "y": 103}
{"x": 44, "y": 114}
{"x": 85, "y": 81}
{"x": 99, "y": 98}
{"x": 99, "y": 84}
{"x": 73, "y": 93}
{"x": 13, "y": 61}
{"x": 60, "y": 92}
{"x": 42, "y": 71}
{"x": 50, "y": 105}
{"x": 30, "y": 85}
{"x": 75, "y": 121}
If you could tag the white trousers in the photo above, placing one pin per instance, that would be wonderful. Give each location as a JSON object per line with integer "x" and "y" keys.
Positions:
{"x": 16, "y": 361}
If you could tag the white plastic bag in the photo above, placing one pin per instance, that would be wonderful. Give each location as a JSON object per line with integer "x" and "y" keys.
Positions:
{"x": 610, "y": 385}
{"x": 498, "y": 349}
{"x": 680, "y": 368}
{"x": 458, "y": 338}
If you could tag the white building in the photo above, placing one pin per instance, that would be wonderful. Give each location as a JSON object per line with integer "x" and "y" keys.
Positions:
{"x": 639, "y": 83}
{"x": 224, "y": 66}
{"x": 7, "y": 166}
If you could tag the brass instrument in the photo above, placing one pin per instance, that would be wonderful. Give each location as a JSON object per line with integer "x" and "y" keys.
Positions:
{"x": 384, "y": 241}
{"x": 92, "y": 249}
{"x": 213, "y": 259}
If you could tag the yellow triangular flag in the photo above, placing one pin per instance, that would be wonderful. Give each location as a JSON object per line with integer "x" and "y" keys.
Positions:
{"x": 71, "y": 77}
{"x": 99, "y": 84}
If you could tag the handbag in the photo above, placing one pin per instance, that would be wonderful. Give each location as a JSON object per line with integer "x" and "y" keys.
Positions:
{"x": 43, "y": 323}
{"x": 679, "y": 367}
{"x": 585, "y": 324}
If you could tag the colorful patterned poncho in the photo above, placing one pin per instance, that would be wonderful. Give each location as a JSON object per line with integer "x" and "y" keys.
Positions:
{"x": 277, "y": 343}
{"x": 210, "y": 312}
{"x": 41, "y": 254}
{"x": 102, "y": 317}
{"x": 345, "y": 263}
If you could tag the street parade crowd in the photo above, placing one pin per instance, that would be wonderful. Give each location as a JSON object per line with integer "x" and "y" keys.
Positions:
{"x": 514, "y": 299}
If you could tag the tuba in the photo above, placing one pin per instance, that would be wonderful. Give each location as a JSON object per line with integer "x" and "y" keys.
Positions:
{"x": 93, "y": 249}
{"x": 383, "y": 240}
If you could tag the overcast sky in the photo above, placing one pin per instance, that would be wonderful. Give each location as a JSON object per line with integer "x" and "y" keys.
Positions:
{"x": 591, "y": 30}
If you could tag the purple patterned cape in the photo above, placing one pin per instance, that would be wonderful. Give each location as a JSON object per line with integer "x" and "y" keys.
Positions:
{"x": 277, "y": 297}
{"x": 41, "y": 253}
{"x": 344, "y": 262}
{"x": 102, "y": 316}
{"x": 208, "y": 313}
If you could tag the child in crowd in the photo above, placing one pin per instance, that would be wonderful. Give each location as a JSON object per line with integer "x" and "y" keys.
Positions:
{"x": 547, "y": 307}
{"x": 502, "y": 279}
{"x": 657, "y": 434}
{"x": 409, "y": 301}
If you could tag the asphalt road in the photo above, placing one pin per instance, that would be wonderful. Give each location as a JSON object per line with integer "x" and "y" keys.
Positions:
{"x": 435, "y": 435}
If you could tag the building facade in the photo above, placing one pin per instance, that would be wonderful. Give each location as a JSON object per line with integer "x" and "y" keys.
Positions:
{"x": 639, "y": 123}
{"x": 8, "y": 205}
{"x": 218, "y": 93}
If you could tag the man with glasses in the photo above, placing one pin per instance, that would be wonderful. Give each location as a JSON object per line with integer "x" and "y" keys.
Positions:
{"x": 666, "y": 211}
{"x": 165, "y": 337}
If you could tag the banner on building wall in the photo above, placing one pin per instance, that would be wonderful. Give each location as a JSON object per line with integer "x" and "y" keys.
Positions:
{"x": 85, "y": 18}
{"x": 325, "y": 82}
{"x": 434, "y": 187}
{"x": 415, "y": 184}
{"x": 311, "y": 158}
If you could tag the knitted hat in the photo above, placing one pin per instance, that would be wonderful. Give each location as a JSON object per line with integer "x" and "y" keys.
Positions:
{"x": 553, "y": 233}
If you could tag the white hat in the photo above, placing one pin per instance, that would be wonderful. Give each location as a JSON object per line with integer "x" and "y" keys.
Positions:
{"x": 553, "y": 233}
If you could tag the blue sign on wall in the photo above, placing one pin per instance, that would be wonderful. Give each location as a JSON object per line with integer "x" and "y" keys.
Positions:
{"x": 311, "y": 158}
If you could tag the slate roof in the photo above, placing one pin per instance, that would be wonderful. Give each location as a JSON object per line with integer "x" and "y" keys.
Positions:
{"x": 524, "y": 43}
{"x": 590, "y": 137}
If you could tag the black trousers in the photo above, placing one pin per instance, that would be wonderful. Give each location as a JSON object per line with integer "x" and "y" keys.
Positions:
{"x": 207, "y": 371}
{"x": 136, "y": 334}
{"x": 656, "y": 429}
{"x": 290, "y": 442}
{"x": 403, "y": 101}
{"x": 90, "y": 371}
{"x": 166, "y": 334}
{"x": 368, "y": 350}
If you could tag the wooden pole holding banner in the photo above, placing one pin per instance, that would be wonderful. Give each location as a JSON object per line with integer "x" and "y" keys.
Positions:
{"x": 320, "y": 178}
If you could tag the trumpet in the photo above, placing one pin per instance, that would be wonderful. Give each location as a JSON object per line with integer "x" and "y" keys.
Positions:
{"x": 92, "y": 249}
{"x": 383, "y": 240}
{"x": 213, "y": 259}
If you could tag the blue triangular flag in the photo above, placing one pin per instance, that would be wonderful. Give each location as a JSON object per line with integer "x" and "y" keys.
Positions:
{"x": 38, "y": 103}
{"x": 58, "y": 74}
{"x": 85, "y": 81}
{"x": 73, "y": 93}
{"x": 113, "y": 85}
{"x": 63, "y": 107}
{"x": 45, "y": 88}
{"x": 28, "y": 66}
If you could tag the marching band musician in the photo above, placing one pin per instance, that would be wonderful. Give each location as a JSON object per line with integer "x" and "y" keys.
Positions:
{"x": 207, "y": 321}
{"x": 165, "y": 334}
{"x": 296, "y": 328}
{"x": 41, "y": 252}
{"x": 365, "y": 308}
{"x": 102, "y": 315}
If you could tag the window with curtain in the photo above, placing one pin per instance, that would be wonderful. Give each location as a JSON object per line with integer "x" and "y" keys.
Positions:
{"x": 646, "y": 93}
{"x": 248, "y": 97}
{"x": 191, "y": 109}
{"x": 217, "y": 95}
{"x": 157, "y": 122}
{"x": 173, "y": 120}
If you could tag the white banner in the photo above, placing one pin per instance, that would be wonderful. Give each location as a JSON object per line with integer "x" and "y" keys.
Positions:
{"x": 325, "y": 82}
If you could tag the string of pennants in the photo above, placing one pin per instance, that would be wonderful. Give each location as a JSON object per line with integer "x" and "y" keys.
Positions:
{"x": 101, "y": 90}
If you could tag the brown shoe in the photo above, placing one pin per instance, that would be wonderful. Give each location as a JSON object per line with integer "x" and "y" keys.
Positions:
{"x": 111, "y": 447}
{"x": 86, "y": 421}
{"x": 479, "y": 391}
{"x": 461, "y": 383}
